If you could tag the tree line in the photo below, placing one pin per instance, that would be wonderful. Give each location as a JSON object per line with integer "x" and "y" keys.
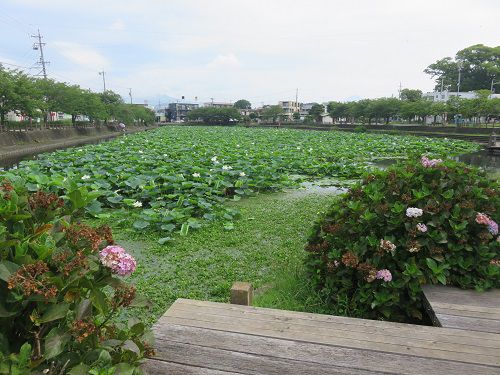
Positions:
{"x": 32, "y": 97}
{"x": 413, "y": 108}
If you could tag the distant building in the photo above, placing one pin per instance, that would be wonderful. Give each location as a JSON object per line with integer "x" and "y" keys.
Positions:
{"x": 218, "y": 104}
{"x": 177, "y": 112}
{"x": 289, "y": 108}
{"x": 444, "y": 96}
{"x": 304, "y": 109}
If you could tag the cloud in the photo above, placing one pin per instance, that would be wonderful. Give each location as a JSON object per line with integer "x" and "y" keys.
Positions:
{"x": 225, "y": 60}
{"x": 117, "y": 25}
{"x": 81, "y": 55}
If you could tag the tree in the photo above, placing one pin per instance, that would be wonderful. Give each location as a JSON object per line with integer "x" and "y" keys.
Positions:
{"x": 316, "y": 111}
{"x": 242, "y": 104}
{"x": 384, "y": 108}
{"x": 296, "y": 116}
{"x": 479, "y": 65}
{"x": 272, "y": 112}
{"x": 411, "y": 95}
{"x": 338, "y": 110}
{"x": 215, "y": 116}
{"x": 18, "y": 93}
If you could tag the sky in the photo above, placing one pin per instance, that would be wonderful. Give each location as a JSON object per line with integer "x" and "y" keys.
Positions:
{"x": 259, "y": 50}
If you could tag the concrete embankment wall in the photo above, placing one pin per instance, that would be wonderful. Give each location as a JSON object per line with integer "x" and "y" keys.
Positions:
{"x": 12, "y": 138}
{"x": 19, "y": 145}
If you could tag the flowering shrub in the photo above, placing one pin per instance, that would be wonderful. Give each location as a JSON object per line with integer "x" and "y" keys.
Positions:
{"x": 59, "y": 292}
{"x": 430, "y": 221}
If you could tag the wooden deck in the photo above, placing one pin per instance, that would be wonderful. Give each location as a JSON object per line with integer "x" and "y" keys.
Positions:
{"x": 197, "y": 337}
{"x": 464, "y": 309}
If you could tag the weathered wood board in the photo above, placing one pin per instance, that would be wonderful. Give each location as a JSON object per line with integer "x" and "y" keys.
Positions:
{"x": 464, "y": 309}
{"x": 198, "y": 337}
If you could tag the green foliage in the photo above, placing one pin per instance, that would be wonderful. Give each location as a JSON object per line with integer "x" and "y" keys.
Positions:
{"x": 32, "y": 97}
{"x": 272, "y": 113}
{"x": 411, "y": 95}
{"x": 215, "y": 116}
{"x": 57, "y": 300}
{"x": 479, "y": 65}
{"x": 316, "y": 111}
{"x": 346, "y": 252}
{"x": 242, "y": 104}
{"x": 359, "y": 129}
{"x": 182, "y": 176}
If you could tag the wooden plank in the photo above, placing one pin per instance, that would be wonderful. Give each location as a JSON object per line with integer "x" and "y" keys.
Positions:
{"x": 467, "y": 310}
{"x": 244, "y": 363}
{"x": 157, "y": 367}
{"x": 351, "y": 324}
{"x": 184, "y": 314}
{"x": 465, "y": 322}
{"x": 323, "y": 354}
{"x": 340, "y": 326}
{"x": 314, "y": 337}
{"x": 447, "y": 294}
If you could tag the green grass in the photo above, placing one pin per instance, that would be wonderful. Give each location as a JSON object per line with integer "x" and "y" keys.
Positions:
{"x": 266, "y": 248}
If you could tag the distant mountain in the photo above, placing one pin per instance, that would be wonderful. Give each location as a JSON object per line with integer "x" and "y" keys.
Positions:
{"x": 353, "y": 98}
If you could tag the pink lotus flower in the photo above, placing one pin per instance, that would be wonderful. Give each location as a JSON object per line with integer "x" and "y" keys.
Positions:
{"x": 118, "y": 260}
{"x": 384, "y": 275}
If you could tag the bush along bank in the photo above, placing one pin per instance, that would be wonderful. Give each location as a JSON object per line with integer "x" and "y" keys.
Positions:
{"x": 425, "y": 222}
{"x": 61, "y": 286}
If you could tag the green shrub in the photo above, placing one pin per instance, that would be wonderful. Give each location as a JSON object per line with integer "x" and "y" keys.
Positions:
{"x": 427, "y": 222}
{"x": 360, "y": 129}
{"x": 58, "y": 293}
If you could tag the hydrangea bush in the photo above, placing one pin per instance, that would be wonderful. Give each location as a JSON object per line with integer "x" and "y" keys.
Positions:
{"x": 425, "y": 222}
{"x": 61, "y": 286}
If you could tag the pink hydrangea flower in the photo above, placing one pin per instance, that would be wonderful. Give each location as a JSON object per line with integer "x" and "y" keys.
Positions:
{"x": 118, "y": 260}
{"x": 493, "y": 227}
{"x": 421, "y": 227}
{"x": 482, "y": 218}
{"x": 384, "y": 275}
{"x": 430, "y": 163}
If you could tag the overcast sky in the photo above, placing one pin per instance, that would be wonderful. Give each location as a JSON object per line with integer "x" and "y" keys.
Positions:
{"x": 261, "y": 50}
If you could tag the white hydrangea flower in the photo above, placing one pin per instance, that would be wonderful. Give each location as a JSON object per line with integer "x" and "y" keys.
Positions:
{"x": 414, "y": 212}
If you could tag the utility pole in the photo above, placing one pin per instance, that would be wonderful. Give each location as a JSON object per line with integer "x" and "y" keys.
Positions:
{"x": 297, "y": 99}
{"x": 459, "y": 78}
{"x": 212, "y": 99}
{"x": 39, "y": 46}
{"x": 103, "y": 79}
{"x": 493, "y": 83}
{"x": 442, "y": 84}
{"x": 399, "y": 91}
{"x": 130, "y": 94}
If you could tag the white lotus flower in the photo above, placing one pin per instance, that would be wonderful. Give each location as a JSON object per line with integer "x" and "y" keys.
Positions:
{"x": 137, "y": 204}
{"x": 196, "y": 174}
{"x": 214, "y": 159}
{"x": 242, "y": 174}
{"x": 141, "y": 152}
{"x": 227, "y": 167}
{"x": 85, "y": 177}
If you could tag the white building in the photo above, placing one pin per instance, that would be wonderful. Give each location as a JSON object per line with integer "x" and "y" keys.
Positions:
{"x": 218, "y": 104}
{"x": 444, "y": 96}
{"x": 289, "y": 108}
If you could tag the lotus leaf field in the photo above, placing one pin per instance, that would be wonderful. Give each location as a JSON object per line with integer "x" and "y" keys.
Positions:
{"x": 175, "y": 178}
